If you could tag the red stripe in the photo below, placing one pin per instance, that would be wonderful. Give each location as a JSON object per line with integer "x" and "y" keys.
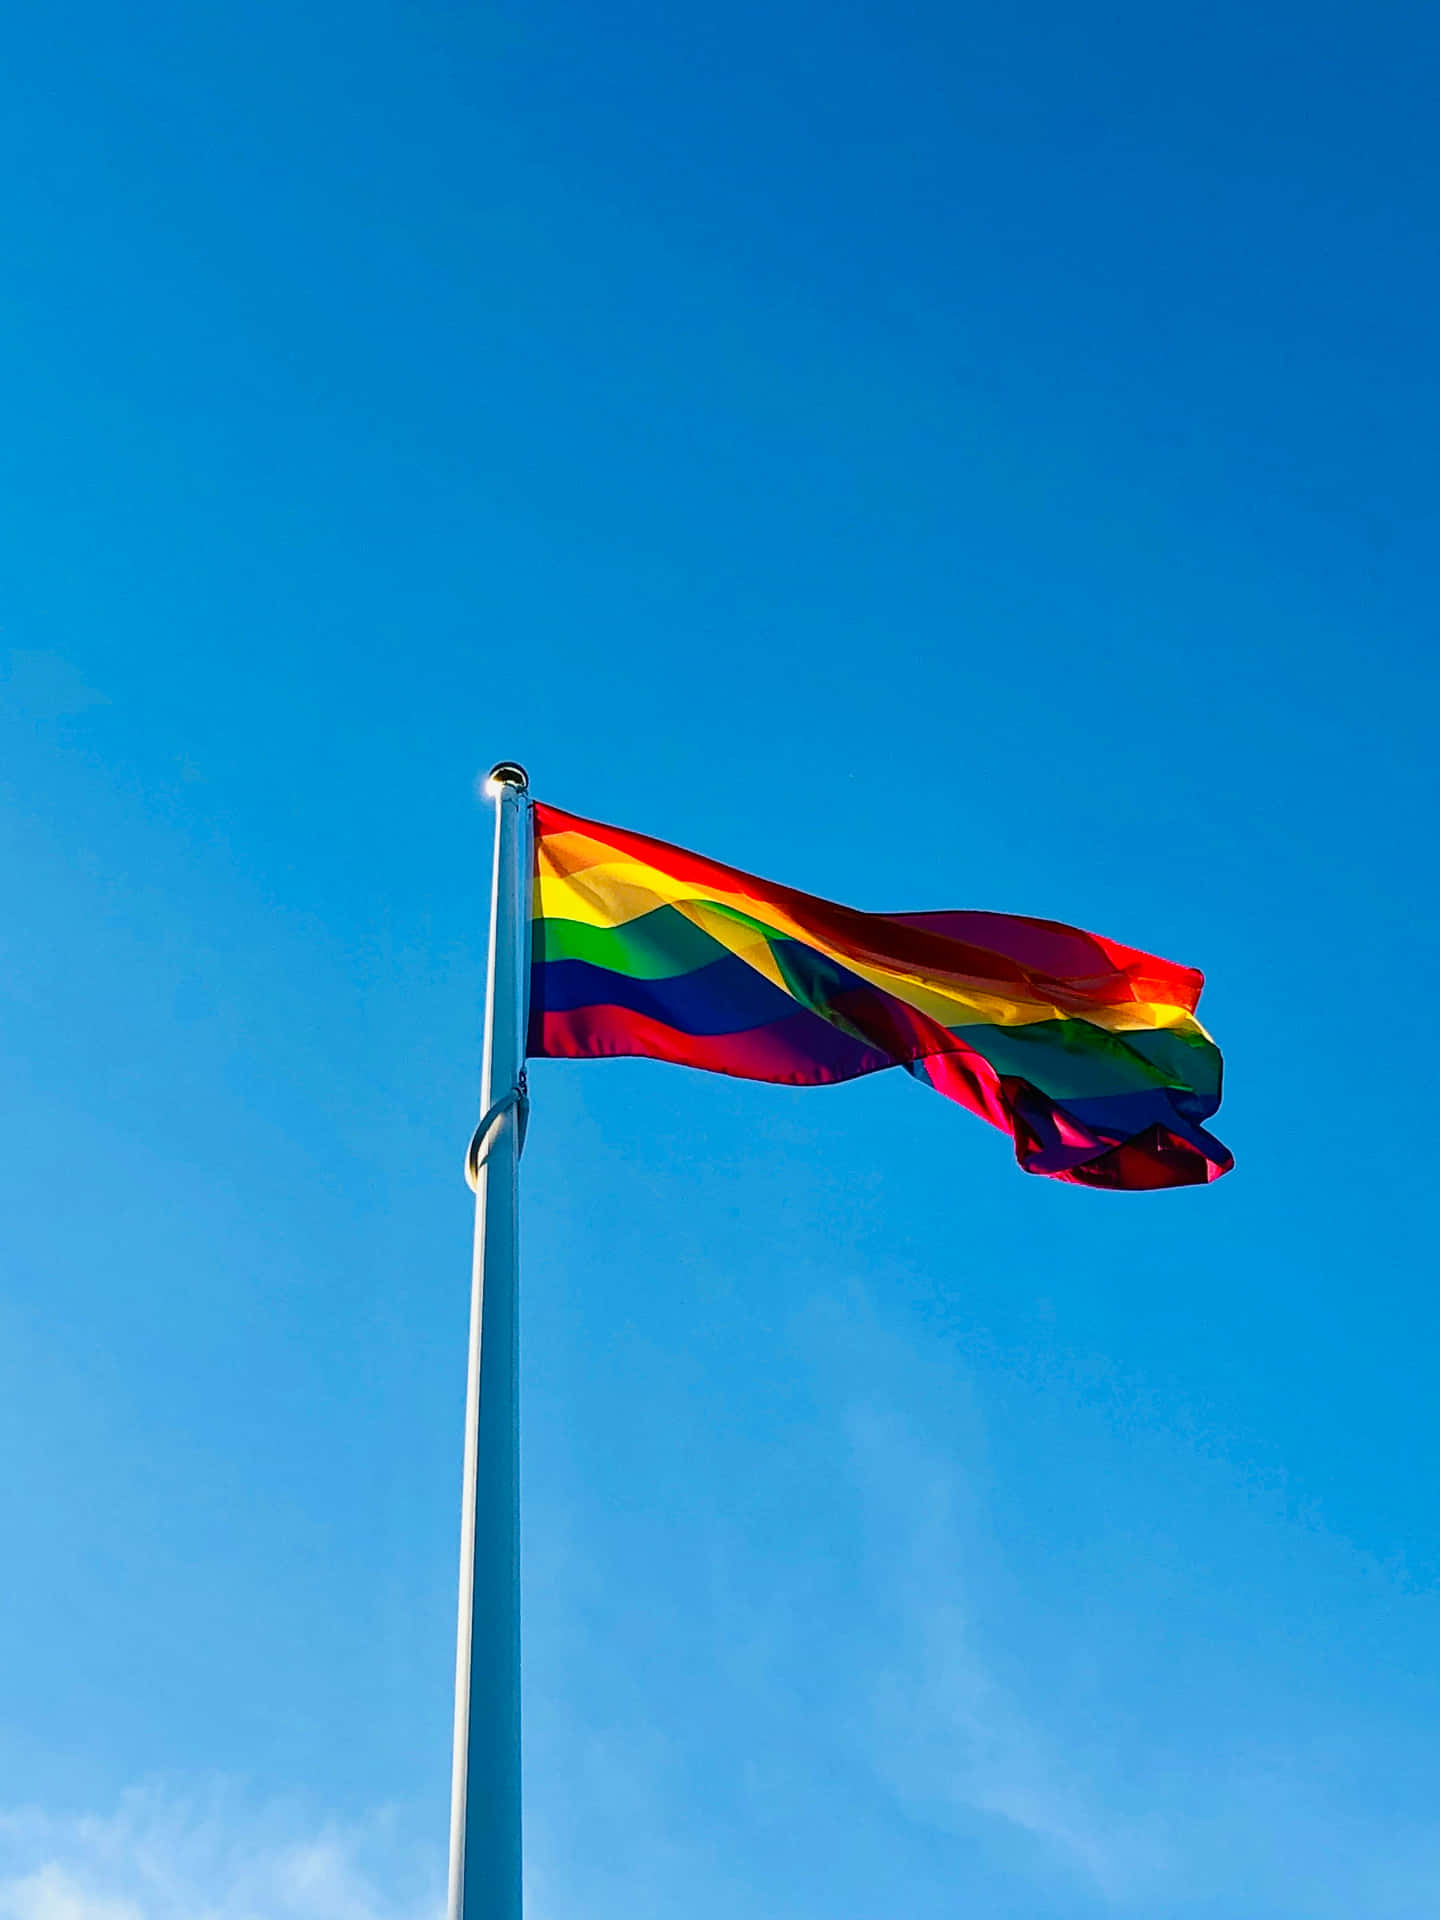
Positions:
{"x": 795, "y": 1052}
{"x": 1063, "y": 965}
{"x": 789, "y": 1051}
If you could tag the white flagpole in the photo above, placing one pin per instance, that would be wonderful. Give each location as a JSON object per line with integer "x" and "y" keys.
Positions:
{"x": 485, "y": 1860}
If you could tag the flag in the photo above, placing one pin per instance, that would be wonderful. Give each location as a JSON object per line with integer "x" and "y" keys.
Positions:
{"x": 1087, "y": 1053}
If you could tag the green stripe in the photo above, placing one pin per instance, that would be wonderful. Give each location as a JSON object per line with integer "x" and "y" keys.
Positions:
{"x": 1063, "y": 1058}
{"x": 1187, "y": 1059}
{"x": 656, "y": 946}
{"x": 1070, "y": 1059}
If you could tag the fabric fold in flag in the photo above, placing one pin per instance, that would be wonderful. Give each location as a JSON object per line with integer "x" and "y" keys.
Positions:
{"x": 1087, "y": 1053}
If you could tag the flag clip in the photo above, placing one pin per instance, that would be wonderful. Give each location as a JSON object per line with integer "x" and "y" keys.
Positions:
{"x": 483, "y": 1137}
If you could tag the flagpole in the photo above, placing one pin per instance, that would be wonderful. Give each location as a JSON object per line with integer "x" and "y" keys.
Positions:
{"x": 485, "y": 1858}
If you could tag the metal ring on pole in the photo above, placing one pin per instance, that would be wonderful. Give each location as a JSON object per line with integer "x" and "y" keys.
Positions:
{"x": 483, "y": 1137}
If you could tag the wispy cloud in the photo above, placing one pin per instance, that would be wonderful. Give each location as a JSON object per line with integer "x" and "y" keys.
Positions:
{"x": 1074, "y": 1802}
{"x": 948, "y": 1736}
{"x": 1255, "y": 1823}
{"x": 162, "y": 1856}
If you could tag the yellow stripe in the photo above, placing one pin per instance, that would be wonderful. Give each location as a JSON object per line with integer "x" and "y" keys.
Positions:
{"x": 744, "y": 942}
{"x": 617, "y": 888}
{"x": 618, "y": 902}
{"x": 580, "y": 879}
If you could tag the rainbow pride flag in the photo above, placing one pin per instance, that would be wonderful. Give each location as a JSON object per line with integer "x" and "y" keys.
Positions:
{"x": 1088, "y": 1054}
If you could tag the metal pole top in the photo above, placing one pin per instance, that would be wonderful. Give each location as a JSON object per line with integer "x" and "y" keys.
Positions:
{"x": 507, "y": 773}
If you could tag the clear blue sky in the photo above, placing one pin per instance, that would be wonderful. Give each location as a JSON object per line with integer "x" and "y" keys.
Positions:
{"x": 934, "y": 456}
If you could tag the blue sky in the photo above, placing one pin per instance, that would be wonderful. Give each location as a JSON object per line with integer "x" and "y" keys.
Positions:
{"x": 932, "y": 456}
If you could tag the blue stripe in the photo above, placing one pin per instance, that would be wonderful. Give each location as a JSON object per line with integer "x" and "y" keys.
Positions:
{"x": 728, "y": 996}
{"x": 1130, "y": 1113}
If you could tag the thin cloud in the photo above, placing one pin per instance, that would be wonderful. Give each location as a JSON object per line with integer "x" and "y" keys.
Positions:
{"x": 162, "y": 1856}
{"x": 1251, "y": 1825}
{"x": 949, "y": 1737}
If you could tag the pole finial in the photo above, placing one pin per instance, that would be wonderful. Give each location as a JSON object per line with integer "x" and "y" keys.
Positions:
{"x": 507, "y": 773}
